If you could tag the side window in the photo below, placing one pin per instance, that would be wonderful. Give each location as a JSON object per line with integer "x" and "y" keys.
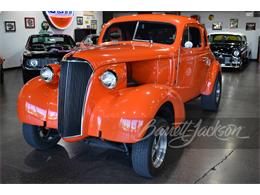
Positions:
{"x": 185, "y": 37}
{"x": 244, "y": 39}
{"x": 192, "y": 34}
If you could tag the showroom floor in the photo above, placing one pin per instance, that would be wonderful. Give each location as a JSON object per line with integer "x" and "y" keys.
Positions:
{"x": 205, "y": 160}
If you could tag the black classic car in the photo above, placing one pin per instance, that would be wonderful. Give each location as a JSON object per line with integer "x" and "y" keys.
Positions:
{"x": 230, "y": 49}
{"x": 89, "y": 40}
{"x": 44, "y": 49}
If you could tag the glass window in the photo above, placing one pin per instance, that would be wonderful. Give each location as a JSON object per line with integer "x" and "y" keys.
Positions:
{"x": 156, "y": 32}
{"x": 123, "y": 31}
{"x": 51, "y": 40}
{"x": 192, "y": 34}
{"x": 224, "y": 38}
{"x": 244, "y": 39}
{"x": 43, "y": 42}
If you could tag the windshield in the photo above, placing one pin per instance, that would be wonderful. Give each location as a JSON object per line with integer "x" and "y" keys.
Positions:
{"x": 220, "y": 38}
{"x": 43, "y": 42}
{"x": 157, "y": 32}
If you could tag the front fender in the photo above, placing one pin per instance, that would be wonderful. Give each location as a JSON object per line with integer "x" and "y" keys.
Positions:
{"x": 37, "y": 103}
{"x": 124, "y": 116}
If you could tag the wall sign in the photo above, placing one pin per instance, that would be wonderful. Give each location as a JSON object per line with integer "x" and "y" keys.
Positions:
{"x": 250, "y": 26}
{"x": 59, "y": 19}
{"x": 10, "y": 26}
{"x": 211, "y": 17}
{"x": 79, "y": 20}
{"x": 217, "y": 26}
{"x": 29, "y": 22}
{"x": 233, "y": 23}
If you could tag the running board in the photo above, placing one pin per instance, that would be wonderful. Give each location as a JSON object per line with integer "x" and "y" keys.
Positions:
{"x": 96, "y": 142}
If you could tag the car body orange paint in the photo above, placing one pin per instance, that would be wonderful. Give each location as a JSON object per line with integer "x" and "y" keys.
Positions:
{"x": 165, "y": 73}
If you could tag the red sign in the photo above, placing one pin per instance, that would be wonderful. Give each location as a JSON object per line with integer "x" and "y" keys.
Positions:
{"x": 59, "y": 19}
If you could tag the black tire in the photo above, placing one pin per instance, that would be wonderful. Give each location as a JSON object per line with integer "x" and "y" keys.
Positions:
{"x": 142, "y": 153}
{"x": 39, "y": 137}
{"x": 241, "y": 67}
{"x": 211, "y": 102}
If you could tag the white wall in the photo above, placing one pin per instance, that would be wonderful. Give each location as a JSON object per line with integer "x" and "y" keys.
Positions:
{"x": 225, "y": 17}
{"x": 12, "y": 44}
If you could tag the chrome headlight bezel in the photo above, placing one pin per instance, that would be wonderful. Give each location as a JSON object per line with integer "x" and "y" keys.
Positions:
{"x": 236, "y": 53}
{"x": 109, "y": 79}
{"x": 33, "y": 63}
{"x": 47, "y": 74}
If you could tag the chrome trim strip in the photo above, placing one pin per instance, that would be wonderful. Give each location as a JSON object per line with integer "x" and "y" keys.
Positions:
{"x": 224, "y": 66}
{"x": 84, "y": 103}
{"x": 136, "y": 27}
{"x": 39, "y": 68}
{"x": 178, "y": 65}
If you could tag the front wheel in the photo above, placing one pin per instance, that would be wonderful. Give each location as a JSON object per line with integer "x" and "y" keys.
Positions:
{"x": 211, "y": 102}
{"x": 40, "y": 138}
{"x": 149, "y": 154}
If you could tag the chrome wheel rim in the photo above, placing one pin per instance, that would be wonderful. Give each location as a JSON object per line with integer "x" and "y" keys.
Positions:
{"x": 218, "y": 91}
{"x": 159, "y": 148}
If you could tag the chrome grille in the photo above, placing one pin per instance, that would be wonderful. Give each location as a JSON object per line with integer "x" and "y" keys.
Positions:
{"x": 74, "y": 78}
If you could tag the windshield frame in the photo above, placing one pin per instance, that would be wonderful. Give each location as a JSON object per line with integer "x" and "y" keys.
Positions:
{"x": 136, "y": 29}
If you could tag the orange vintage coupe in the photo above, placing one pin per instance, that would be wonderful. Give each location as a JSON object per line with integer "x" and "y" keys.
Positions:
{"x": 142, "y": 71}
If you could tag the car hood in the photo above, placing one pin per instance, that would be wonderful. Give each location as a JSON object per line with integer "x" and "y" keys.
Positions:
{"x": 121, "y": 52}
{"x": 224, "y": 48}
{"x": 44, "y": 54}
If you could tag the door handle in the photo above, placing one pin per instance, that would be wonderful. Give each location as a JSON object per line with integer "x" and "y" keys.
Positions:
{"x": 205, "y": 59}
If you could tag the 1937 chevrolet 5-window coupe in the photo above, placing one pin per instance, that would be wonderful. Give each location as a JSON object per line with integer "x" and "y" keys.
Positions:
{"x": 144, "y": 67}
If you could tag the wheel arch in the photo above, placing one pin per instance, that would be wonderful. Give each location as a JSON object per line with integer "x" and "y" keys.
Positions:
{"x": 212, "y": 74}
{"x": 166, "y": 111}
{"x": 123, "y": 119}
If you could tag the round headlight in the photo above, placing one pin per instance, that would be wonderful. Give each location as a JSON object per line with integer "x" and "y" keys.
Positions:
{"x": 109, "y": 79}
{"x": 47, "y": 74}
{"x": 33, "y": 63}
{"x": 236, "y": 53}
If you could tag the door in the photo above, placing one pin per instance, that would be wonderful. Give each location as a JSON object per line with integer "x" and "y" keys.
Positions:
{"x": 192, "y": 61}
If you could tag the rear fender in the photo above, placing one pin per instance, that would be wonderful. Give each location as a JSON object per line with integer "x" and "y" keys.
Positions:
{"x": 212, "y": 74}
{"x": 124, "y": 116}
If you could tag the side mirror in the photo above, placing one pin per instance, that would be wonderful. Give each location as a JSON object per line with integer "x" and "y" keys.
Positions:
{"x": 188, "y": 44}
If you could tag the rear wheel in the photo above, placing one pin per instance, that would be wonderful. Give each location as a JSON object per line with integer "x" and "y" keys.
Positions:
{"x": 211, "y": 102}
{"x": 39, "y": 137}
{"x": 149, "y": 154}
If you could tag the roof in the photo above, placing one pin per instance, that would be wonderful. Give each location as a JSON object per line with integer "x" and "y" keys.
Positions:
{"x": 50, "y": 35}
{"x": 170, "y": 18}
{"x": 227, "y": 33}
